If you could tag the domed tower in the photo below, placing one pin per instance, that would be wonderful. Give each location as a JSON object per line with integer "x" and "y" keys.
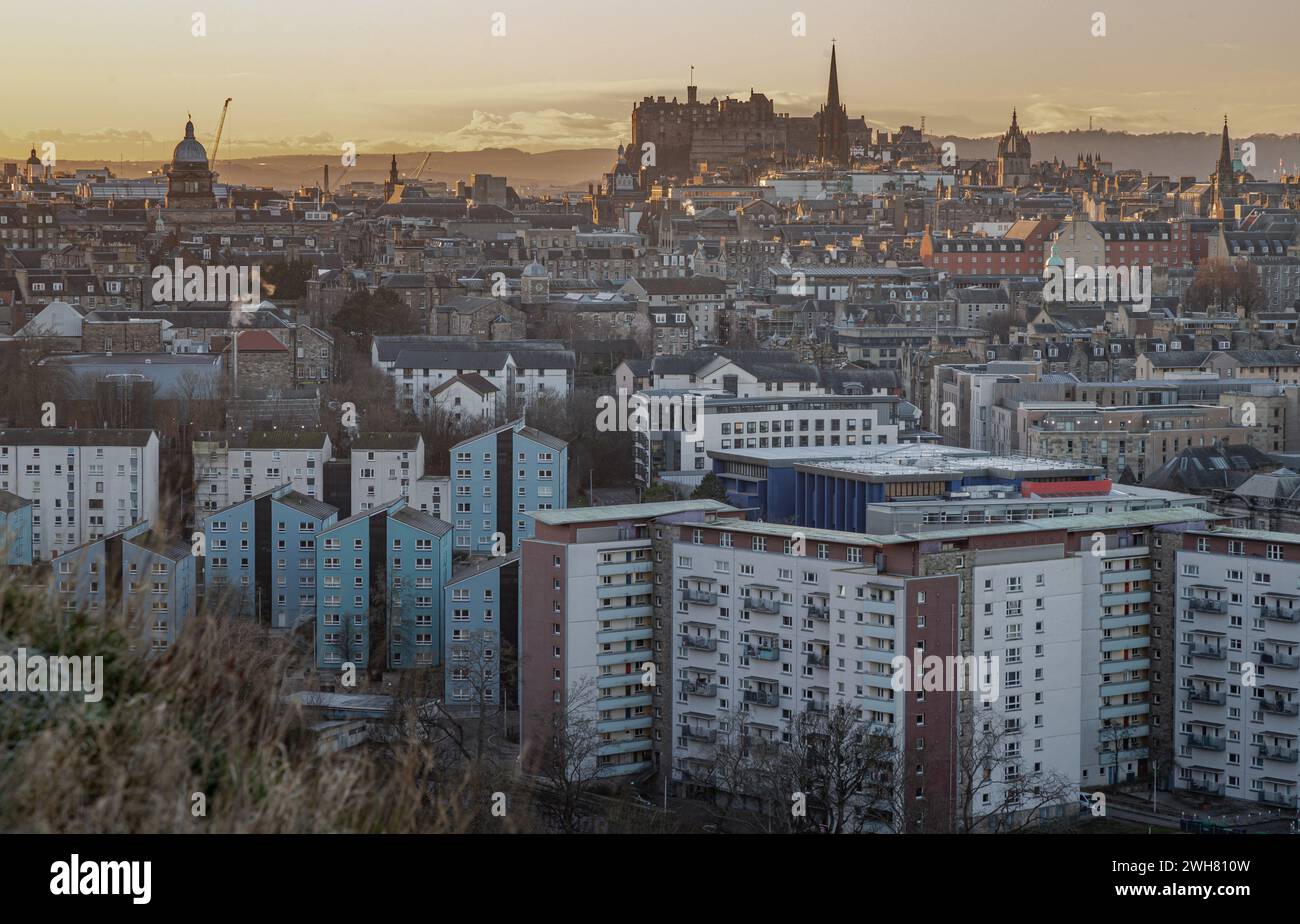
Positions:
{"x": 189, "y": 181}
{"x": 33, "y": 167}
{"x": 534, "y": 284}
{"x": 1013, "y": 156}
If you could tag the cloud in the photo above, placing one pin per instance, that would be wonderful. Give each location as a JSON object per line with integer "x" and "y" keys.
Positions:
{"x": 543, "y": 129}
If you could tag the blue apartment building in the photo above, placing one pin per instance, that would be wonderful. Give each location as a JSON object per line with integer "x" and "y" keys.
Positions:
{"x": 15, "y": 530}
{"x": 496, "y": 477}
{"x": 392, "y": 557}
{"x": 135, "y": 571}
{"x": 481, "y": 607}
{"x": 298, "y": 521}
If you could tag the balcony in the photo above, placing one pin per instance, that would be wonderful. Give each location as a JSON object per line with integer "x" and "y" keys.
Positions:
{"x": 762, "y": 697}
{"x": 1210, "y": 697}
{"x": 761, "y": 651}
{"x": 1205, "y": 786}
{"x": 1273, "y": 752}
{"x": 699, "y": 688}
{"x": 817, "y": 708}
{"x": 1207, "y": 742}
{"x": 700, "y": 643}
{"x": 1130, "y": 598}
{"x": 1277, "y": 659}
{"x": 698, "y": 733}
{"x": 819, "y": 660}
{"x": 1280, "y": 613}
{"x": 772, "y": 607}
{"x": 1205, "y": 605}
{"x": 1278, "y": 798}
{"x": 1206, "y": 650}
{"x": 819, "y": 612}
{"x": 1279, "y": 706}
{"x": 703, "y": 597}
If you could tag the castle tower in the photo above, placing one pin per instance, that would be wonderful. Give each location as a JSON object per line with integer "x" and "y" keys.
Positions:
{"x": 1013, "y": 156}
{"x": 833, "y": 122}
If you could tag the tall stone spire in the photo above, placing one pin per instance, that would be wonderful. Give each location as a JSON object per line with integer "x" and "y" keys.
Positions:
{"x": 833, "y": 88}
{"x": 833, "y": 122}
{"x": 1224, "y": 181}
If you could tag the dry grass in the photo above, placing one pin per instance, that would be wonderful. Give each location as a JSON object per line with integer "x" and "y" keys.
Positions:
{"x": 207, "y": 717}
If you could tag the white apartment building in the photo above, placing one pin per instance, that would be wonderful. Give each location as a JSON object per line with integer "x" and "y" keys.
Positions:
{"x": 1059, "y": 609}
{"x": 231, "y": 467}
{"x": 1237, "y": 708}
{"x": 586, "y": 628}
{"x": 83, "y": 484}
{"x": 1027, "y": 625}
{"x": 429, "y": 493}
{"x": 760, "y": 634}
{"x": 384, "y": 467}
{"x": 519, "y": 370}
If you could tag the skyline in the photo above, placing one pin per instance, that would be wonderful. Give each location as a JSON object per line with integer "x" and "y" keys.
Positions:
{"x": 557, "y": 79}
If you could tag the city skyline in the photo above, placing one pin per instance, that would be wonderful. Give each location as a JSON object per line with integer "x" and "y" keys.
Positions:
{"x": 444, "y": 81}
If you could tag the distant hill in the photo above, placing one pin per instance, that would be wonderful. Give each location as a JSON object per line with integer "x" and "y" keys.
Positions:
{"x": 1171, "y": 154}
{"x": 550, "y": 171}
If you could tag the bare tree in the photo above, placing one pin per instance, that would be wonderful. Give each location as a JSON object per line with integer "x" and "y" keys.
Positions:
{"x": 569, "y": 765}
{"x": 994, "y": 795}
{"x": 831, "y": 771}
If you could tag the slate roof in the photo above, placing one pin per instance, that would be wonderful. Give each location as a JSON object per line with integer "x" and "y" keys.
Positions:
{"x": 1201, "y": 469}
{"x": 390, "y": 441}
{"x": 49, "y": 436}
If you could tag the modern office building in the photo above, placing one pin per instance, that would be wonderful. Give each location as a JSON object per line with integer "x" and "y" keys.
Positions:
{"x": 790, "y": 421}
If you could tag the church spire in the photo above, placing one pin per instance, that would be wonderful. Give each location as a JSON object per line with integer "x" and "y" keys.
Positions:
{"x": 833, "y": 88}
{"x": 833, "y": 122}
{"x": 1225, "y": 150}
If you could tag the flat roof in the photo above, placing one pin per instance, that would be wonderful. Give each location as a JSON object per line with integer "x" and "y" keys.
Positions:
{"x": 624, "y": 512}
{"x": 1073, "y": 523}
{"x": 951, "y": 465}
{"x": 1261, "y": 535}
{"x": 875, "y": 451}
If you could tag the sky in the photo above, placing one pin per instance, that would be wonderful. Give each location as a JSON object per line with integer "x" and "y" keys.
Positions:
{"x": 115, "y": 80}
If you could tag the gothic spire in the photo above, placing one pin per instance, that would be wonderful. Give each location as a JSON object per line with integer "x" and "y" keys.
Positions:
{"x": 1225, "y": 150}
{"x": 833, "y": 88}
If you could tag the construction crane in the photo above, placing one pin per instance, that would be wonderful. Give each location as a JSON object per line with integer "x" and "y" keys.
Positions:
{"x": 423, "y": 164}
{"x": 221, "y": 123}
